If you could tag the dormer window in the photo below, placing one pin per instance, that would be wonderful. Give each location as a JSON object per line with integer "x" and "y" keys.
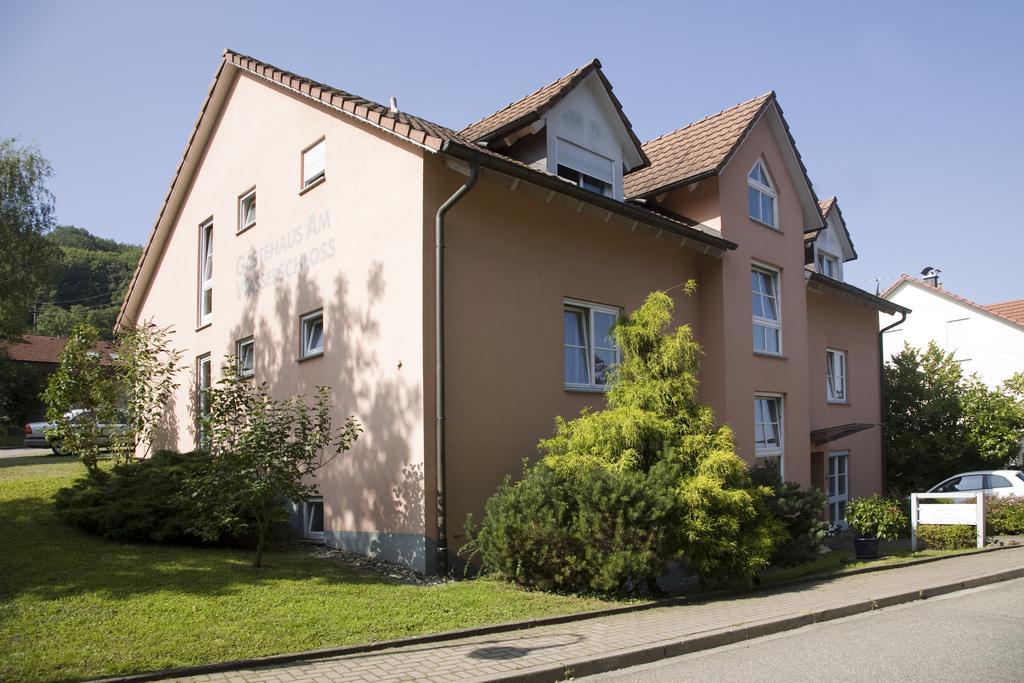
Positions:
{"x": 585, "y": 168}
{"x": 828, "y": 265}
{"x": 761, "y": 197}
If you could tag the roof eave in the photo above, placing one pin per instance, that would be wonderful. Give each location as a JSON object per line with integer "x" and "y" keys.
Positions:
{"x": 822, "y": 283}
{"x": 555, "y": 184}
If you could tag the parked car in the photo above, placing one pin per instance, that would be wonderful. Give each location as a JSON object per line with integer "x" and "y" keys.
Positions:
{"x": 1002, "y": 483}
{"x": 37, "y": 434}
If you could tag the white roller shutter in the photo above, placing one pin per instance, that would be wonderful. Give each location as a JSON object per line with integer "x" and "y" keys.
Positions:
{"x": 585, "y": 161}
{"x": 313, "y": 163}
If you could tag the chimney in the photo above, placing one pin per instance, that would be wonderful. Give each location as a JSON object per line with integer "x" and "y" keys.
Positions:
{"x": 394, "y": 105}
{"x": 931, "y": 276}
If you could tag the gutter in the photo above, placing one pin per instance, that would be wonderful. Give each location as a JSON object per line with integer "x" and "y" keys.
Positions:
{"x": 439, "y": 429}
{"x": 881, "y": 392}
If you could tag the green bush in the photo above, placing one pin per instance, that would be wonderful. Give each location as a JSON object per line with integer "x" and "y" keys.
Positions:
{"x": 553, "y": 530}
{"x": 876, "y": 517}
{"x": 1004, "y": 515}
{"x": 947, "y": 536}
{"x": 137, "y": 501}
{"x": 800, "y": 512}
{"x": 622, "y": 492}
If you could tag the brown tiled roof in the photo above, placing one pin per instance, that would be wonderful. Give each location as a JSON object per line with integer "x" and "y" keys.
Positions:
{"x": 1006, "y": 313}
{"x": 696, "y": 150}
{"x": 516, "y": 114}
{"x": 1013, "y": 310}
{"x": 37, "y": 348}
{"x": 413, "y": 128}
{"x": 530, "y": 108}
{"x": 827, "y": 205}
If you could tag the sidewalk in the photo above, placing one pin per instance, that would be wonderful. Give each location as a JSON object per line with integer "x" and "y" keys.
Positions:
{"x": 546, "y": 653}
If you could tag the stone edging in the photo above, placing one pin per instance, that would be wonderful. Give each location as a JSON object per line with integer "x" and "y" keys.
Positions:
{"x": 702, "y": 642}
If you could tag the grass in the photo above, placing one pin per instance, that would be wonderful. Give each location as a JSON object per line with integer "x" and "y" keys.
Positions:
{"x": 839, "y": 562}
{"x": 73, "y": 606}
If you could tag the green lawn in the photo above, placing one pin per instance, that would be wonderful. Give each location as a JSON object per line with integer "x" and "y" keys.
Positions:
{"x": 840, "y": 561}
{"x": 74, "y": 606}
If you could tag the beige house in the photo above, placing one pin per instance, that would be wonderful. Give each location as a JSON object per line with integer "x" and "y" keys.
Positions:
{"x": 455, "y": 289}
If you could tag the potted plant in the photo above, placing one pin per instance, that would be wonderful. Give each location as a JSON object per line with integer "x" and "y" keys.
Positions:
{"x": 871, "y": 519}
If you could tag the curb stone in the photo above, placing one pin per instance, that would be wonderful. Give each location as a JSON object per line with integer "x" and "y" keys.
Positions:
{"x": 709, "y": 641}
{"x": 695, "y": 643}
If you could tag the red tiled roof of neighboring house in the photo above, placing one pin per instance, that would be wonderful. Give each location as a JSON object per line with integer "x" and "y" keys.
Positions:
{"x": 696, "y": 150}
{"x": 37, "y": 348}
{"x": 999, "y": 311}
{"x": 1012, "y": 310}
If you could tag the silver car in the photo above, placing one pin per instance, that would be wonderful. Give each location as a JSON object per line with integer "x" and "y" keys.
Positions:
{"x": 37, "y": 434}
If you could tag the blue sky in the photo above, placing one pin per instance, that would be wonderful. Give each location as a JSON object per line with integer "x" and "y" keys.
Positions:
{"x": 909, "y": 112}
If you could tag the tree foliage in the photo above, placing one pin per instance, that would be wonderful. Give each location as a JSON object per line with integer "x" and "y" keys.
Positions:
{"x": 621, "y": 492}
{"x": 92, "y": 276}
{"x": 263, "y": 452}
{"x": 26, "y": 215}
{"x": 939, "y": 422}
{"x": 128, "y": 383}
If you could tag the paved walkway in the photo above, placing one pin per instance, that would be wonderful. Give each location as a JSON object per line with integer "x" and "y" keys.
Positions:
{"x": 640, "y": 636}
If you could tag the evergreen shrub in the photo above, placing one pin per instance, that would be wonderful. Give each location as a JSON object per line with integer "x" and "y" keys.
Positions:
{"x": 800, "y": 512}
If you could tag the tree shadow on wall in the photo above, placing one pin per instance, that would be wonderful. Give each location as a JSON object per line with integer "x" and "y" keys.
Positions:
{"x": 375, "y": 489}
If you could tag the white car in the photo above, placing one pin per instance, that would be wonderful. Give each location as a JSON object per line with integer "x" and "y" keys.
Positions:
{"x": 1002, "y": 483}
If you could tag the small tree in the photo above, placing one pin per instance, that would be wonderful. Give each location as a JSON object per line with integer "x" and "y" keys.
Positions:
{"x": 130, "y": 387}
{"x": 939, "y": 422}
{"x": 81, "y": 397}
{"x": 263, "y": 452}
{"x": 146, "y": 372}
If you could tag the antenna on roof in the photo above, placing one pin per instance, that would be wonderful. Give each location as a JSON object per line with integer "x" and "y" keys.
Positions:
{"x": 878, "y": 282}
{"x": 394, "y": 105}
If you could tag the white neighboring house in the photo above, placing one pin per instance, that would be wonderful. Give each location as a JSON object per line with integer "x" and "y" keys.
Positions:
{"x": 986, "y": 339}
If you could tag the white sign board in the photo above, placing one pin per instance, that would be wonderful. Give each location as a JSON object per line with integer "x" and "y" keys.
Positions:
{"x": 954, "y": 512}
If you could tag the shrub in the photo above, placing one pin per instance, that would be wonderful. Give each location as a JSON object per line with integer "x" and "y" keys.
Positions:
{"x": 947, "y": 536}
{"x": 137, "y": 501}
{"x": 558, "y": 529}
{"x": 1005, "y": 515}
{"x": 799, "y": 510}
{"x": 622, "y": 492}
{"x": 876, "y": 517}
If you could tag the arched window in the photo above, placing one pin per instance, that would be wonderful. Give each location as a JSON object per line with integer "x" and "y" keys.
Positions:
{"x": 761, "y": 196}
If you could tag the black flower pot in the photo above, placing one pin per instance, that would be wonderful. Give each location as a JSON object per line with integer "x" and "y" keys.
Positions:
{"x": 867, "y": 548}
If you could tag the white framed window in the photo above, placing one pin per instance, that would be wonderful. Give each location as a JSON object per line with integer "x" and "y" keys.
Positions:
{"x": 314, "y": 163}
{"x": 835, "y": 375}
{"x": 838, "y": 486}
{"x": 587, "y": 169}
{"x": 828, "y": 265}
{"x": 312, "y": 334}
{"x": 204, "y": 380}
{"x": 764, "y": 286}
{"x": 247, "y": 210}
{"x": 768, "y": 425}
{"x": 589, "y": 349}
{"x": 313, "y": 518}
{"x": 245, "y": 354}
{"x": 762, "y": 204}
{"x": 206, "y": 272}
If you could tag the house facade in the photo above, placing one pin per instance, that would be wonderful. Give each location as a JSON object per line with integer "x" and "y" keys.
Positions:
{"x": 984, "y": 339}
{"x": 455, "y": 289}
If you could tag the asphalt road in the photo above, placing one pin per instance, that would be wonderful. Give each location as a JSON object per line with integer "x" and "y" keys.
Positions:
{"x": 975, "y": 635}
